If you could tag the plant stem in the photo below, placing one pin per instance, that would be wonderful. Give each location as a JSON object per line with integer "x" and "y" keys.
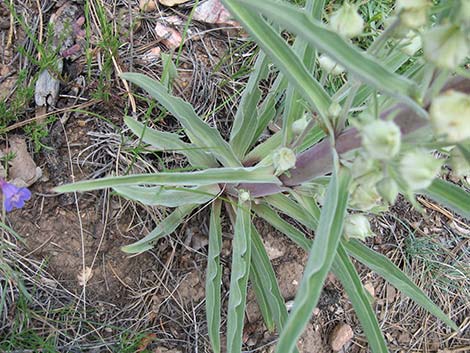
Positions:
{"x": 341, "y": 123}
{"x": 304, "y": 134}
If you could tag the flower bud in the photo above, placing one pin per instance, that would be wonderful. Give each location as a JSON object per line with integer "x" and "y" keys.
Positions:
{"x": 346, "y": 21}
{"x": 411, "y": 43}
{"x": 364, "y": 195}
{"x": 244, "y": 195}
{"x": 357, "y": 226}
{"x": 458, "y": 163}
{"x": 464, "y": 13}
{"x": 388, "y": 189}
{"x": 362, "y": 166}
{"x": 381, "y": 139}
{"x": 419, "y": 168}
{"x": 283, "y": 159}
{"x": 446, "y": 46}
{"x": 450, "y": 113}
{"x": 334, "y": 110}
{"x": 330, "y": 66}
{"x": 300, "y": 125}
{"x": 413, "y": 13}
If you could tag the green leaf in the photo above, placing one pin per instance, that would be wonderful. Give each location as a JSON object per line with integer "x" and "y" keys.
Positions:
{"x": 261, "y": 264}
{"x": 321, "y": 257}
{"x": 270, "y": 216}
{"x": 164, "y": 228}
{"x": 344, "y": 270}
{"x": 246, "y": 120}
{"x": 385, "y": 268}
{"x": 465, "y": 151}
{"x": 203, "y": 177}
{"x": 167, "y": 141}
{"x": 197, "y": 130}
{"x": 264, "y": 149}
{"x": 357, "y": 62}
{"x": 267, "y": 110}
{"x": 308, "y": 203}
{"x": 314, "y": 136}
{"x": 241, "y": 257}
{"x": 214, "y": 277}
{"x": 450, "y": 195}
{"x": 261, "y": 297}
{"x": 161, "y": 196}
{"x": 294, "y": 107}
{"x": 282, "y": 55}
{"x": 291, "y": 208}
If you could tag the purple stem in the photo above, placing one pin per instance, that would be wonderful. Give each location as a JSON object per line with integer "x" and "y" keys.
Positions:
{"x": 318, "y": 161}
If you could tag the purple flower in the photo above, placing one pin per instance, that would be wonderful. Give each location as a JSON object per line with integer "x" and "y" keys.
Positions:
{"x": 13, "y": 196}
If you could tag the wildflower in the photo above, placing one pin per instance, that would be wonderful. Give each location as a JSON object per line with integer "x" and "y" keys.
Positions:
{"x": 13, "y": 196}
{"x": 364, "y": 194}
{"x": 464, "y": 13}
{"x": 458, "y": 163}
{"x": 450, "y": 115}
{"x": 446, "y": 46}
{"x": 419, "y": 168}
{"x": 346, "y": 21}
{"x": 300, "y": 125}
{"x": 244, "y": 195}
{"x": 283, "y": 160}
{"x": 330, "y": 66}
{"x": 411, "y": 43}
{"x": 381, "y": 139}
{"x": 357, "y": 226}
{"x": 388, "y": 189}
{"x": 413, "y": 13}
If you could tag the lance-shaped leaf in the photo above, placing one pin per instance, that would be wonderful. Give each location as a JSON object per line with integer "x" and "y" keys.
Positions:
{"x": 264, "y": 149}
{"x": 241, "y": 257}
{"x": 161, "y": 196}
{"x": 167, "y": 141}
{"x": 203, "y": 177}
{"x": 294, "y": 109}
{"x": 197, "y": 130}
{"x": 246, "y": 120}
{"x": 282, "y": 55}
{"x": 357, "y": 62}
{"x": 347, "y": 274}
{"x": 321, "y": 257}
{"x": 450, "y": 195}
{"x": 164, "y": 228}
{"x": 270, "y": 216}
{"x": 267, "y": 110}
{"x": 261, "y": 264}
{"x": 291, "y": 208}
{"x": 214, "y": 277}
{"x": 387, "y": 269}
{"x": 257, "y": 283}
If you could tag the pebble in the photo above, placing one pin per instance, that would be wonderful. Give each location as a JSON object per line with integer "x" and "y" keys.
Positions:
{"x": 340, "y": 336}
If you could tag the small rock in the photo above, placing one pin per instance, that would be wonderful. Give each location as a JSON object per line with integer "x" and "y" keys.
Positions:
{"x": 391, "y": 293}
{"x": 370, "y": 288}
{"x": 340, "y": 336}
{"x": 273, "y": 250}
{"x": 170, "y": 3}
{"x": 147, "y": 5}
{"x": 212, "y": 11}
{"x": 23, "y": 171}
{"x": 169, "y": 36}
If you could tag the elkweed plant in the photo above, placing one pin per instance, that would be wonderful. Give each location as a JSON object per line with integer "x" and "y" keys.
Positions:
{"x": 391, "y": 128}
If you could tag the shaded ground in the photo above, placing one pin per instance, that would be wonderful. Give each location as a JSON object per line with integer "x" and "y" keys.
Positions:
{"x": 156, "y": 300}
